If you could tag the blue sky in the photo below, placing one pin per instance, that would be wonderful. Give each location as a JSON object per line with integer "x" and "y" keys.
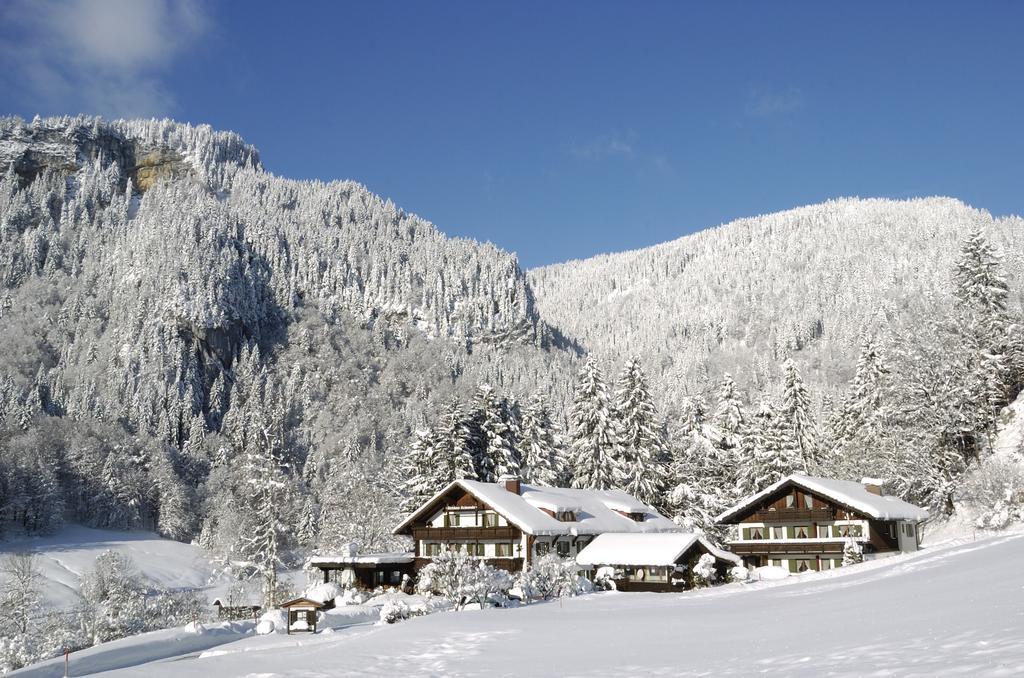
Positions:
{"x": 561, "y": 130}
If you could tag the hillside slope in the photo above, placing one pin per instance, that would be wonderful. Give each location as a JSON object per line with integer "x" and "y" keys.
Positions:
{"x": 953, "y": 608}
{"x": 809, "y": 282}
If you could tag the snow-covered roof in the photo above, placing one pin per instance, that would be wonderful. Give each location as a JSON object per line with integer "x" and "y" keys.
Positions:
{"x": 645, "y": 549}
{"x": 365, "y": 559}
{"x": 850, "y": 494}
{"x": 594, "y": 514}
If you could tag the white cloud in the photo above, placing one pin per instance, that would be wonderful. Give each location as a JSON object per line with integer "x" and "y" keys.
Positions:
{"x": 761, "y": 103}
{"x": 98, "y": 56}
{"x": 603, "y": 147}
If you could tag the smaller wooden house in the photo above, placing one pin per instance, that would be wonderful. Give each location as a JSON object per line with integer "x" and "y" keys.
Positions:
{"x": 302, "y": 614}
{"x": 655, "y": 561}
{"x": 365, "y": 571}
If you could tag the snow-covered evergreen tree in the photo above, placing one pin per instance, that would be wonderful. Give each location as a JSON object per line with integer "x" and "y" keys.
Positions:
{"x": 796, "y": 416}
{"x": 595, "y": 447}
{"x": 643, "y": 446}
{"x": 540, "y": 444}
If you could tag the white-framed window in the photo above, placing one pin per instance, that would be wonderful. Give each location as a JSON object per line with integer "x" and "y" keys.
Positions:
{"x": 753, "y": 533}
{"x": 778, "y": 532}
{"x": 808, "y": 501}
{"x": 824, "y": 531}
{"x": 801, "y": 531}
{"x": 791, "y": 500}
{"x": 503, "y": 550}
{"x": 849, "y": 530}
{"x": 490, "y": 519}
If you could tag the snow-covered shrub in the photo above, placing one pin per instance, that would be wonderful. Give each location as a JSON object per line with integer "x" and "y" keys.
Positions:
{"x": 275, "y": 620}
{"x": 550, "y": 576}
{"x": 738, "y": 574}
{"x": 394, "y": 611}
{"x": 853, "y": 553}
{"x": 704, "y": 573}
{"x": 996, "y": 493}
{"x": 463, "y": 579}
{"x": 604, "y": 578}
{"x": 323, "y": 593}
{"x": 350, "y": 596}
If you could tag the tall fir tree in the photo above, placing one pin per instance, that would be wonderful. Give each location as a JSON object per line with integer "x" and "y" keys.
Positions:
{"x": 494, "y": 454}
{"x": 595, "y": 449}
{"x": 796, "y": 416}
{"x": 643, "y": 446}
{"x": 540, "y": 444}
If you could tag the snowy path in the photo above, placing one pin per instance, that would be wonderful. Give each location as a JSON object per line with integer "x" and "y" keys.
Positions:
{"x": 955, "y": 610}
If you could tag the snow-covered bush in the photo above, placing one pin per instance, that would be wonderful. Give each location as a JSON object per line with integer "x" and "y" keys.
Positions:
{"x": 853, "y": 553}
{"x": 738, "y": 574}
{"x": 704, "y": 573}
{"x": 604, "y": 578}
{"x": 394, "y": 611}
{"x": 996, "y": 493}
{"x": 323, "y": 592}
{"x": 463, "y": 579}
{"x": 272, "y": 621}
{"x": 550, "y": 576}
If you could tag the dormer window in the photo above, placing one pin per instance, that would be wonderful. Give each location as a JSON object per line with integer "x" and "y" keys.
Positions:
{"x": 566, "y": 516}
{"x": 637, "y": 517}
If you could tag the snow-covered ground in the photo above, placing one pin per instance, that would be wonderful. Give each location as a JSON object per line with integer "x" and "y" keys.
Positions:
{"x": 69, "y": 554}
{"x": 954, "y": 609}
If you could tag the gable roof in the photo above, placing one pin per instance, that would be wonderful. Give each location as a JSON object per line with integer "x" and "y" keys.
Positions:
{"x": 304, "y": 602}
{"x": 633, "y": 549}
{"x": 848, "y": 493}
{"x": 596, "y": 510}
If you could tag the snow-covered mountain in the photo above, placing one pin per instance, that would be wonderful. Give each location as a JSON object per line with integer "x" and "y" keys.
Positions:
{"x": 809, "y": 283}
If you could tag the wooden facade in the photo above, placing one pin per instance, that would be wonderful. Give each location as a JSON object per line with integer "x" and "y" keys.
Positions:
{"x": 664, "y": 578}
{"x": 802, "y": 529}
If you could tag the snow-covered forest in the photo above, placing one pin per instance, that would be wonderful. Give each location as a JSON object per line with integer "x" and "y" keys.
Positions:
{"x": 266, "y": 366}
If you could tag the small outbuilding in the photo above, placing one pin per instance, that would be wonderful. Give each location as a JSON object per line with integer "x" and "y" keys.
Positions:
{"x": 302, "y": 614}
{"x": 658, "y": 561}
{"x": 365, "y": 571}
{"x": 228, "y": 610}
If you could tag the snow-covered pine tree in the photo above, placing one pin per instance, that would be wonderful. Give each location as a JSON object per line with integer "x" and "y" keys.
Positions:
{"x": 494, "y": 452}
{"x": 420, "y": 469}
{"x": 595, "y": 450}
{"x": 540, "y": 444}
{"x": 454, "y": 459}
{"x": 643, "y": 446}
{"x": 766, "y": 457}
{"x": 730, "y": 418}
{"x": 853, "y": 553}
{"x": 263, "y": 492}
{"x": 796, "y": 416}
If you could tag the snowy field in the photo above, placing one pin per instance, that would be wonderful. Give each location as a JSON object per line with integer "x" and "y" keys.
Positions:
{"x": 69, "y": 554}
{"x": 956, "y": 609}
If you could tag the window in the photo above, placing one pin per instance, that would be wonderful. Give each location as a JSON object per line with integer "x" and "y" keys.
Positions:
{"x": 791, "y": 500}
{"x": 476, "y": 550}
{"x": 431, "y": 549}
{"x": 801, "y": 532}
{"x": 451, "y": 519}
{"x": 801, "y": 565}
{"x": 826, "y": 564}
{"x": 490, "y": 519}
{"x": 566, "y": 516}
{"x": 778, "y": 533}
{"x": 808, "y": 501}
{"x": 657, "y": 574}
{"x": 503, "y": 550}
{"x": 754, "y": 532}
{"x": 542, "y": 548}
{"x": 824, "y": 532}
{"x": 563, "y": 548}
{"x": 892, "y": 530}
{"x": 395, "y": 577}
{"x": 848, "y": 530}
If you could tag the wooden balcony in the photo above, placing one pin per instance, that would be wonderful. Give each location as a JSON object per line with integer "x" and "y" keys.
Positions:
{"x": 794, "y": 515}
{"x": 766, "y": 546}
{"x": 464, "y": 533}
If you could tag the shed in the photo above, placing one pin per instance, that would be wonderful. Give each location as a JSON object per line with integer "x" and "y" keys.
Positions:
{"x": 652, "y": 561}
{"x": 302, "y": 614}
{"x": 366, "y": 571}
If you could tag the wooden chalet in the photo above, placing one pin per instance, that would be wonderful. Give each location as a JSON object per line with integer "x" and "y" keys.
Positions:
{"x": 651, "y": 561}
{"x": 510, "y": 523}
{"x": 803, "y": 523}
{"x": 302, "y": 615}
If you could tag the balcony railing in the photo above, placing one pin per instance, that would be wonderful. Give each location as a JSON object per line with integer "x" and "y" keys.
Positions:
{"x": 765, "y": 546}
{"x": 465, "y": 533}
{"x": 794, "y": 515}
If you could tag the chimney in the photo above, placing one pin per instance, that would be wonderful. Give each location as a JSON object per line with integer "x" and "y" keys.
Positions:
{"x": 873, "y": 485}
{"x": 511, "y": 483}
